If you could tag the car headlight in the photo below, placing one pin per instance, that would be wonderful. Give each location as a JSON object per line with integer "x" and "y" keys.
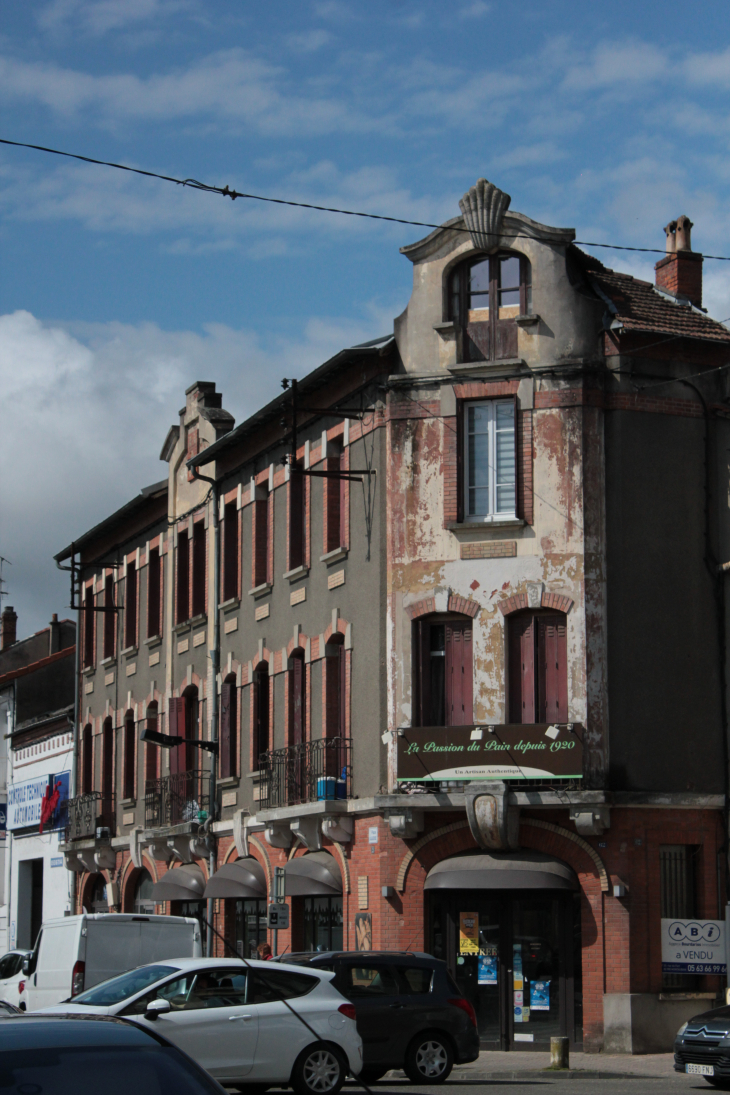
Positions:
{"x": 682, "y": 1029}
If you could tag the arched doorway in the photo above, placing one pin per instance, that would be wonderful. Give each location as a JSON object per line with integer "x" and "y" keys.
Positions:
{"x": 508, "y": 927}
{"x": 142, "y": 902}
{"x": 96, "y": 895}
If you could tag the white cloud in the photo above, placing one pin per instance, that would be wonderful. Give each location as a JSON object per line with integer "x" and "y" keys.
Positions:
{"x": 475, "y": 10}
{"x": 709, "y": 68}
{"x": 308, "y": 41}
{"x": 98, "y": 17}
{"x": 91, "y": 405}
{"x": 629, "y": 63}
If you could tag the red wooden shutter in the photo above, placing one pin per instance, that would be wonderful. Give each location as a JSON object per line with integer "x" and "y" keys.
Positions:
{"x": 459, "y": 674}
{"x": 521, "y": 669}
{"x": 87, "y": 761}
{"x": 225, "y": 734}
{"x": 130, "y": 758}
{"x": 422, "y": 673}
{"x": 333, "y": 488}
{"x": 178, "y": 754}
{"x": 553, "y": 669}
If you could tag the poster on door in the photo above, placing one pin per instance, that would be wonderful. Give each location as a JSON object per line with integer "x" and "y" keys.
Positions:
{"x": 487, "y": 968}
{"x": 540, "y": 995}
{"x": 468, "y": 933}
{"x": 693, "y": 946}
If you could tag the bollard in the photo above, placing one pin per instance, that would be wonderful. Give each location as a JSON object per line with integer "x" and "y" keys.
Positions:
{"x": 559, "y": 1053}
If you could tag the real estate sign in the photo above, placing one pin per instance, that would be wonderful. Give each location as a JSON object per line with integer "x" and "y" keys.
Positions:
{"x": 693, "y": 946}
{"x": 515, "y": 751}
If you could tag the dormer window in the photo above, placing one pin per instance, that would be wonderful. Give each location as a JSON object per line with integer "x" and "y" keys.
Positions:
{"x": 487, "y": 294}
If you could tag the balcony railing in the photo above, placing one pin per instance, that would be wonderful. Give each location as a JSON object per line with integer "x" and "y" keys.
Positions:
{"x": 175, "y": 799}
{"x": 310, "y": 772}
{"x": 89, "y": 812}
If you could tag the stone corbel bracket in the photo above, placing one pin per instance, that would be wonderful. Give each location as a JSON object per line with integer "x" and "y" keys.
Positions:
{"x": 278, "y": 835}
{"x": 179, "y": 847}
{"x": 308, "y": 830}
{"x": 338, "y": 829}
{"x": 406, "y": 824}
{"x": 494, "y": 824}
{"x": 105, "y": 858}
{"x": 591, "y": 820}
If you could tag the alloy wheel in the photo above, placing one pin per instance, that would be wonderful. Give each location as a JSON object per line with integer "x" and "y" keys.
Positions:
{"x": 431, "y": 1059}
{"x": 321, "y": 1072}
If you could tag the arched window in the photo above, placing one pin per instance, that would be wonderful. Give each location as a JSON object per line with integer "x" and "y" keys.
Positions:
{"x": 87, "y": 760}
{"x": 442, "y": 671}
{"x": 537, "y": 667}
{"x": 260, "y": 714}
{"x": 334, "y": 688}
{"x": 486, "y": 295}
{"x": 228, "y": 743}
{"x": 130, "y": 755}
{"x": 143, "y": 903}
{"x": 183, "y": 718}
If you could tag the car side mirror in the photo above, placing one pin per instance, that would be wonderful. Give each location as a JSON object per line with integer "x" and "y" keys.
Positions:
{"x": 26, "y": 965}
{"x": 156, "y": 1008}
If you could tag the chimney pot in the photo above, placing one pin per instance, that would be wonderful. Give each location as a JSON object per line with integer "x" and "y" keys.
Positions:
{"x": 8, "y": 627}
{"x": 680, "y": 271}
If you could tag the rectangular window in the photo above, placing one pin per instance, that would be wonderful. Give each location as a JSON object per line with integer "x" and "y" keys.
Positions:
{"x": 443, "y": 677}
{"x": 130, "y": 606}
{"x": 538, "y": 669}
{"x": 230, "y": 552}
{"x": 182, "y": 591}
{"x": 88, "y": 605}
{"x": 296, "y": 518}
{"x": 229, "y": 727}
{"x": 199, "y": 545}
{"x": 678, "y": 897}
{"x": 260, "y": 548}
{"x": 489, "y": 460}
{"x": 260, "y": 714}
{"x": 335, "y": 506}
{"x": 335, "y": 691}
{"x": 154, "y": 594}
{"x": 110, "y": 618}
{"x": 130, "y": 756}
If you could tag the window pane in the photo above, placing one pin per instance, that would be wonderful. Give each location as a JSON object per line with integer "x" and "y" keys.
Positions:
{"x": 477, "y": 459}
{"x": 370, "y": 981}
{"x": 272, "y": 985}
{"x": 509, "y": 273}
{"x": 479, "y": 278}
{"x": 416, "y": 979}
{"x": 505, "y": 449}
{"x": 437, "y": 714}
{"x": 118, "y": 988}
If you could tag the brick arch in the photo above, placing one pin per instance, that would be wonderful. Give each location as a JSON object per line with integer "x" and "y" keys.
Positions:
{"x": 87, "y": 885}
{"x": 129, "y": 880}
{"x": 465, "y": 606}
{"x": 300, "y": 644}
{"x": 341, "y": 629}
{"x": 462, "y": 840}
{"x": 196, "y": 680}
{"x": 559, "y": 601}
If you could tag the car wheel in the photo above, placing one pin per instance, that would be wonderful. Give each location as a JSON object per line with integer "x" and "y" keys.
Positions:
{"x": 319, "y": 1070}
{"x": 429, "y": 1059}
{"x": 372, "y": 1075}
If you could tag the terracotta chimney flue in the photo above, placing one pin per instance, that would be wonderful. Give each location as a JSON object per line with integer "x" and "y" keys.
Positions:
{"x": 8, "y": 627}
{"x": 680, "y": 271}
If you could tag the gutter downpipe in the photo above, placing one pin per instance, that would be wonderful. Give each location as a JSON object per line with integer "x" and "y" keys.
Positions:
{"x": 215, "y": 658}
{"x": 77, "y": 689}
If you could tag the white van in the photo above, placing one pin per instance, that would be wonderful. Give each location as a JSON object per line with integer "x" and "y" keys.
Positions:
{"x": 77, "y": 952}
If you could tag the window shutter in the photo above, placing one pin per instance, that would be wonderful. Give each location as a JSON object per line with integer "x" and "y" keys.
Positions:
{"x": 87, "y": 768}
{"x": 296, "y": 519}
{"x": 297, "y": 704}
{"x": 108, "y": 765}
{"x": 553, "y": 677}
{"x": 230, "y": 552}
{"x": 459, "y": 684}
{"x": 260, "y": 540}
{"x": 333, "y": 488}
{"x": 178, "y": 754}
{"x": 225, "y": 738}
{"x": 521, "y": 669}
{"x": 422, "y": 675}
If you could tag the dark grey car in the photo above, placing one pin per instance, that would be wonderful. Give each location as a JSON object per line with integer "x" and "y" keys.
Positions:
{"x": 702, "y": 1047}
{"x": 410, "y": 1012}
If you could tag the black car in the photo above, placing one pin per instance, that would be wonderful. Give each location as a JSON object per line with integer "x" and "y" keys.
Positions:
{"x": 702, "y": 1047}
{"x": 66, "y": 1054}
{"x": 410, "y": 1012}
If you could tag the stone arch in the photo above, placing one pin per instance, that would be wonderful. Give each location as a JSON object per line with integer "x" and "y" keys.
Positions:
{"x": 559, "y": 601}
{"x": 129, "y": 883}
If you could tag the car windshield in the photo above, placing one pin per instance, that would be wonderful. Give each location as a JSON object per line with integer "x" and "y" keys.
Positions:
{"x": 153, "y": 1070}
{"x": 121, "y": 988}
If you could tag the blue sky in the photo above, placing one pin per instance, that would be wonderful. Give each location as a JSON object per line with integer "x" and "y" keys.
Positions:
{"x": 117, "y": 292}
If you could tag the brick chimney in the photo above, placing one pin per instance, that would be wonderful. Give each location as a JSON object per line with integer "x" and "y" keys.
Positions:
{"x": 680, "y": 271}
{"x": 54, "y": 636}
{"x": 8, "y": 627}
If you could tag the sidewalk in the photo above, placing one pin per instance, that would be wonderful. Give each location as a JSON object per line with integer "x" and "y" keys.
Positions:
{"x": 495, "y": 1065}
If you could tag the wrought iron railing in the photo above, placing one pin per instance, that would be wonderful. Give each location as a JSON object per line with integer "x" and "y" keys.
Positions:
{"x": 310, "y": 772}
{"x": 175, "y": 799}
{"x": 89, "y": 812}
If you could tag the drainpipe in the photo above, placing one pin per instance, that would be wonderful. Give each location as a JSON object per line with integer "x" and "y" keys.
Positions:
{"x": 215, "y": 659}
{"x": 77, "y": 688}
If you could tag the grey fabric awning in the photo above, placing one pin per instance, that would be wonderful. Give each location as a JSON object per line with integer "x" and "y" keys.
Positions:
{"x": 243, "y": 878}
{"x": 501, "y": 871}
{"x": 314, "y": 874}
{"x": 185, "y": 883}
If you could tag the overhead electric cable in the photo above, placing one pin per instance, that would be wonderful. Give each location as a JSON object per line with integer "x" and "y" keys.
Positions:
{"x": 227, "y": 192}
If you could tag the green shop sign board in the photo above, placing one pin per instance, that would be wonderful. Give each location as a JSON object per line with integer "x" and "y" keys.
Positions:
{"x": 530, "y": 751}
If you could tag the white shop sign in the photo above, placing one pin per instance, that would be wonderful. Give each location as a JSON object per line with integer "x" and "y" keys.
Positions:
{"x": 693, "y": 946}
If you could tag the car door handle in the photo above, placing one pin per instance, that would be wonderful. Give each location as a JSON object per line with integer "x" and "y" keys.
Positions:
{"x": 243, "y": 1018}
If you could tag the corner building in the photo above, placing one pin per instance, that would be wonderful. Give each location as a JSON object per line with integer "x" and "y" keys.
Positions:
{"x": 471, "y": 699}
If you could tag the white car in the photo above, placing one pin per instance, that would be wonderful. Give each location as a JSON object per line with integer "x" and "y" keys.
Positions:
{"x": 240, "y": 1021}
{"x": 12, "y": 978}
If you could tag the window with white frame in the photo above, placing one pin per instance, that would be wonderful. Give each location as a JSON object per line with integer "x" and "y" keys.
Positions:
{"x": 489, "y": 460}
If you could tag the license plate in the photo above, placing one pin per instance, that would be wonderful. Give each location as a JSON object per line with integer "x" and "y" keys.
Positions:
{"x": 700, "y": 1070}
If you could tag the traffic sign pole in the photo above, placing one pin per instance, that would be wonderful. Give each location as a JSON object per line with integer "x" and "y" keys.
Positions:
{"x": 279, "y": 899}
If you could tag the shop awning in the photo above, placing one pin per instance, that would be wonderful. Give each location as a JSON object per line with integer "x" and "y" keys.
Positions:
{"x": 243, "y": 878}
{"x": 501, "y": 871}
{"x": 185, "y": 883}
{"x": 315, "y": 874}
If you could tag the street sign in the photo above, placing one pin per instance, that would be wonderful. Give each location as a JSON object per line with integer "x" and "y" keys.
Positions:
{"x": 278, "y": 915}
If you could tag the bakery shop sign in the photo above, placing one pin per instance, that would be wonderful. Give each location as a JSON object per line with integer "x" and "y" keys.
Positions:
{"x": 515, "y": 751}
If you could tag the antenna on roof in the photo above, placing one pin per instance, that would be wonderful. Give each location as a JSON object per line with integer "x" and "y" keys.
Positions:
{"x": 3, "y": 590}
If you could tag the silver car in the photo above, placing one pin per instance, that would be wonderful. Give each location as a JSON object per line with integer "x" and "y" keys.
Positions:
{"x": 240, "y": 1022}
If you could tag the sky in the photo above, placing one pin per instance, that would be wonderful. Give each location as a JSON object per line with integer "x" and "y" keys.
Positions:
{"x": 117, "y": 292}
